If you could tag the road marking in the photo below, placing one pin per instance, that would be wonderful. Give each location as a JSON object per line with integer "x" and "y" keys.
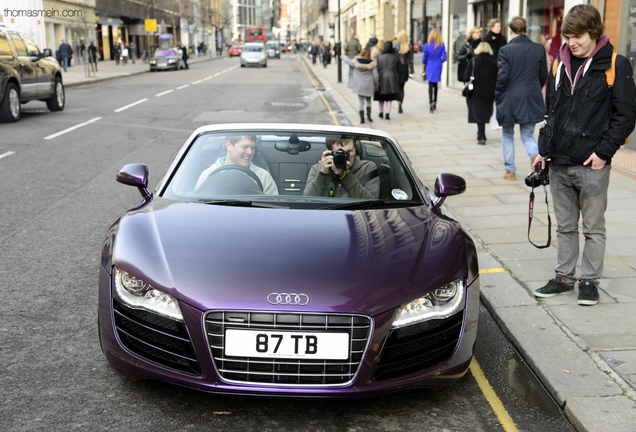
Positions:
{"x": 207, "y": 78}
{"x": 197, "y": 82}
{"x": 183, "y": 86}
{"x": 492, "y": 270}
{"x": 333, "y": 115}
{"x": 164, "y": 93}
{"x": 492, "y": 398}
{"x": 131, "y": 105}
{"x": 216, "y": 74}
{"x": 4, "y": 155}
{"x": 72, "y": 128}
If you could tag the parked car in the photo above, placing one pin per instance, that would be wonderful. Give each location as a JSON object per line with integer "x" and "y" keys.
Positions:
{"x": 27, "y": 74}
{"x": 167, "y": 59}
{"x": 273, "y": 49}
{"x": 212, "y": 284}
{"x": 254, "y": 54}
{"x": 235, "y": 50}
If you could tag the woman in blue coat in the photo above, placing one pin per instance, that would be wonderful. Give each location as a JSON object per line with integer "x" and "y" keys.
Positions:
{"x": 434, "y": 56}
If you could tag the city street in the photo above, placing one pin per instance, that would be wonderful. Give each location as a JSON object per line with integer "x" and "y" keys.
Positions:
{"x": 58, "y": 197}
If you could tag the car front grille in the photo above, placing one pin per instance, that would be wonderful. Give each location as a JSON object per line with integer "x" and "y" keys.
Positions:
{"x": 155, "y": 338}
{"x": 287, "y": 371}
{"x": 419, "y": 346}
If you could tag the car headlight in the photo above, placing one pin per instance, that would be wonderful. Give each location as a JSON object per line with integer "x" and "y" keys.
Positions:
{"x": 138, "y": 294}
{"x": 153, "y": 62}
{"x": 171, "y": 61}
{"x": 440, "y": 303}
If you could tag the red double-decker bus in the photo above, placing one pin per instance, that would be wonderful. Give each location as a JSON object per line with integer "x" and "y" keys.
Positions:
{"x": 255, "y": 34}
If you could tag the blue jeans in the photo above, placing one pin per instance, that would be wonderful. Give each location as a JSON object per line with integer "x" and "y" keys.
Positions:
{"x": 508, "y": 143}
{"x": 64, "y": 62}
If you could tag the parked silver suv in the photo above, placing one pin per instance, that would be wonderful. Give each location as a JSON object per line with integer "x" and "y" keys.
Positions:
{"x": 26, "y": 74}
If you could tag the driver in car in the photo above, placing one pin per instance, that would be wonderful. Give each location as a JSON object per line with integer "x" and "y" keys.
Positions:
{"x": 343, "y": 175}
{"x": 239, "y": 151}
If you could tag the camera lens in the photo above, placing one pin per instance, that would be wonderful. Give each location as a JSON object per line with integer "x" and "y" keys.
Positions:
{"x": 340, "y": 158}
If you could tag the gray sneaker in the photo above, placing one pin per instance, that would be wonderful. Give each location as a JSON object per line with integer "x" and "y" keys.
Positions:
{"x": 588, "y": 293}
{"x": 553, "y": 288}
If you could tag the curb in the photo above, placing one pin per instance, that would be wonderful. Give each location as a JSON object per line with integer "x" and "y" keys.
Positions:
{"x": 89, "y": 80}
{"x": 592, "y": 395}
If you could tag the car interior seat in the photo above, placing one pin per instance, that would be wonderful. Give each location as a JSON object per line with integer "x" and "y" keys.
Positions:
{"x": 375, "y": 153}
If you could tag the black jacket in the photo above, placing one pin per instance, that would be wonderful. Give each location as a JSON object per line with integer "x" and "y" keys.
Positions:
{"x": 522, "y": 74}
{"x": 593, "y": 118}
{"x": 464, "y": 54}
{"x": 484, "y": 69}
{"x": 496, "y": 41}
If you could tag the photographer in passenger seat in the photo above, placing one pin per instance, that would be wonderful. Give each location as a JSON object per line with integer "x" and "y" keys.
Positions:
{"x": 341, "y": 173}
{"x": 240, "y": 150}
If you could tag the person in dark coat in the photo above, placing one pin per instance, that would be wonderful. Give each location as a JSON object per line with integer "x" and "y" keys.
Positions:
{"x": 494, "y": 37}
{"x": 467, "y": 51}
{"x": 64, "y": 52}
{"x": 325, "y": 53}
{"x": 364, "y": 79}
{"x": 432, "y": 61}
{"x": 483, "y": 69}
{"x": 184, "y": 56}
{"x": 389, "y": 84}
{"x": 522, "y": 73}
{"x": 117, "y": 52}
{"x": 405, "y": 64}
{"x": 92, "y": 55}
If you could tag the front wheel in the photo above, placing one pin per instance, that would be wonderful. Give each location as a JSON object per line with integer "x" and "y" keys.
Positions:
{"x": 56, "y": 102}
{"x": 10, "y": 108}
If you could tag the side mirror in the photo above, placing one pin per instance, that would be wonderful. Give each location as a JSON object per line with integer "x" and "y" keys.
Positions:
{"x": 47, "y": 52}
{"x": 448, "y": 185}
{"x": 135, "y": 175}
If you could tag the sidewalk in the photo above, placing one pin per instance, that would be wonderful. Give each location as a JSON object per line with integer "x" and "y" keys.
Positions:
{"x": 584, "y": 356}
{"x": 77, "y": 74}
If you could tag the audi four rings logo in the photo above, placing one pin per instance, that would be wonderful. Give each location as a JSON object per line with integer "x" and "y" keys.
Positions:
{"x": 291, "y": 299}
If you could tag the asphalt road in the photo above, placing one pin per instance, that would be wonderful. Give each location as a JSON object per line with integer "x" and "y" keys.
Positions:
{"x": 58, "y": 196}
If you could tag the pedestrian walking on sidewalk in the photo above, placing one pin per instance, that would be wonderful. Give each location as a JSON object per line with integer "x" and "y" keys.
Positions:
{"x": 522, "y": 73}
{"x": 467, "y": 51}
{"x": 432, "y": 59}
{"x": 117, "y": 53}
{"x": 364, "y": 79}
{"x": 483, "y": 69}
{"x": 388, "y": 75}
{"x": 124, "y": 55}
{"x": 587, "y": 120}
{"x": 325, "y": 53}
{"x": 314, "y": 52}
{"x": 64, "y": 52}
{"x": 92, "y": 55}
{"x": 494, "y": 38}
{"x": 405, "y": 64}
{"x": 352, "y": 49}
{"x": 133, "y": 51}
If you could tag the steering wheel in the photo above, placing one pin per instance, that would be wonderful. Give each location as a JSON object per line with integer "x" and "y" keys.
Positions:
{"x": 247, "y": 171}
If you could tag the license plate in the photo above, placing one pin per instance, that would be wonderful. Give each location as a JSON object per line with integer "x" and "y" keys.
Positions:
{"x": 291, "y": 345}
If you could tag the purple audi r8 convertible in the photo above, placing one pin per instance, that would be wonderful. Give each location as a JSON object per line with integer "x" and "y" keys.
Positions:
{"x": 289, "y": 260}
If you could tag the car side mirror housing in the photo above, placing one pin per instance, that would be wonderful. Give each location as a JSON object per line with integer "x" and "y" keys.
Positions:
{"x": 447, "y": 185}
{"x": 135, "y": 175}
{"x": 47, "y": 52}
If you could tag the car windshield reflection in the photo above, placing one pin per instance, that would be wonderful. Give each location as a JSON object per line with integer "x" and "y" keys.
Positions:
{"x": 293, "y": 170}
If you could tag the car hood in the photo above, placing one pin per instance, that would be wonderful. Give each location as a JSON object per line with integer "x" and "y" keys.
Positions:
{"x": 220, "y": 257}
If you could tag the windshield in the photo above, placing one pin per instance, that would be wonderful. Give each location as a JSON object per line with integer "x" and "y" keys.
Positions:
{"x": 162, "y": 53}
{"x": 253, "y": 48}
{"x": 293, "y": 170}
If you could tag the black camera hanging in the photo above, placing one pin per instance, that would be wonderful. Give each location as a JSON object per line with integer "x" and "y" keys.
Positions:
{"x": 540, "y": 177}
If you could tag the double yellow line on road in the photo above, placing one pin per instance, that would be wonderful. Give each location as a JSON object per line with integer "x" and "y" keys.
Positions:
{"x": 313, "y": 82}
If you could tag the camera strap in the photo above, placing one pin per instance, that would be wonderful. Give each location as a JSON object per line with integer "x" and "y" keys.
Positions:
{"x": 531, "y": 214}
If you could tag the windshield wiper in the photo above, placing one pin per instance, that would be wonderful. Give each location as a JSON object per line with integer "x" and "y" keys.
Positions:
{"x": 370, "y": 204}
{"x": 239, "y": 203}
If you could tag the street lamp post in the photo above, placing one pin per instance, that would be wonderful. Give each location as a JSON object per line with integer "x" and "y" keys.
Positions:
{"x": 339, "y": 46}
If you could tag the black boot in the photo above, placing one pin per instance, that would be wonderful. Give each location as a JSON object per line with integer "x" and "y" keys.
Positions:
{"x": 369, "y": 114}
{"x": 432, "y": 107}
{"x": 386, "y": 116}
{"x": 361, "y": 116}
{"x": 400, "y": 108}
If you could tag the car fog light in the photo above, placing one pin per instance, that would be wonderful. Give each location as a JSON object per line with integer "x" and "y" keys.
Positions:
{"x": 440, "y": 303}
{"x": 137, "y": 294}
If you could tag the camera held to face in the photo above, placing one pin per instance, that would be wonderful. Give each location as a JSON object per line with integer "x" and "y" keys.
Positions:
{"x": 340, "y": 158}
{"x": 540, "y": 177}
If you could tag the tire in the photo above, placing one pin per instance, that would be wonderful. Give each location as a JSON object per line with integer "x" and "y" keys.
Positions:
{"x": 10, "y": 109}
{"x": 58, "y": 100}
{"x": 242, "y": 65}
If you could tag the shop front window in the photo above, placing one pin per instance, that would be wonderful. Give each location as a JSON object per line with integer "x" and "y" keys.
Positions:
{"x": 544, "y": 24}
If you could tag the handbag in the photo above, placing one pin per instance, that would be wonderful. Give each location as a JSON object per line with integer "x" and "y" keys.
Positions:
{"x": 469, "y": 86}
